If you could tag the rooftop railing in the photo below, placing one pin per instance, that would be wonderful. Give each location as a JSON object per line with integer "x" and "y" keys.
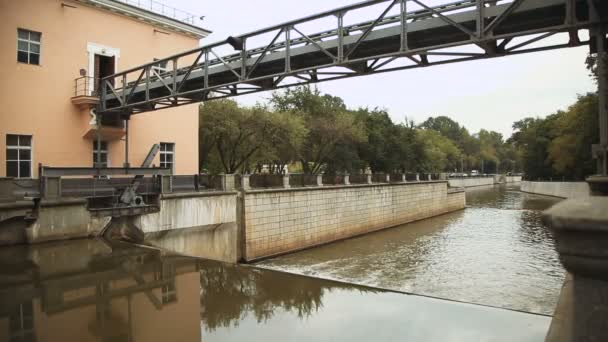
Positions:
{"x": 165, "y": 10}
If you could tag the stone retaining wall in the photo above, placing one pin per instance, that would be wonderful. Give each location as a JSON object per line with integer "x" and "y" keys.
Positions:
{"x": 286, "y": 220}
{"x": 557, "y": 189}
{"x": 470, "y": 182}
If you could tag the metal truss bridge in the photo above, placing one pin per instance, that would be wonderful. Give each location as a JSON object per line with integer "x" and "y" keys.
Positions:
{"x": 400, "y": 34}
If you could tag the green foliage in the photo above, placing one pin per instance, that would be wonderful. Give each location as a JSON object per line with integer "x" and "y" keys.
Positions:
{"x": 232, "y": 137}
{"x": 559, "y": 146}
{"x": 331, "y": 127}
{"x": 317, "y": 133}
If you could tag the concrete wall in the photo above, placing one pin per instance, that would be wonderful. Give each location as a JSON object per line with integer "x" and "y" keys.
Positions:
{"x": 469, "y": 182}
{"x": 63, "y": 220}
{"x": 513, "y": 179}
{"x": 557, "y": 189}
{"x": 280, "y": 221}
{"x": 180, "y": 211}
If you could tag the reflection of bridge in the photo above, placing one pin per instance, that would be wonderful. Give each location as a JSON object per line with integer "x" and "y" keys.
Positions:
{"x": 88, "y": 284}
{"x": 401, "y": 34}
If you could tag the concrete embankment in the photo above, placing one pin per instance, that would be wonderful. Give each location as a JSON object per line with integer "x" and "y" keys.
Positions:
{"x": 244, "y": 225}
{"x": 285, "y": 220}
{"x": 471, "y": 182}
{"x": 557, "y": 189}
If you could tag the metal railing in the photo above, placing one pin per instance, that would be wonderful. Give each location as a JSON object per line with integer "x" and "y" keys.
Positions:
{"x": 165, "y": 10}
{"x": 85, "y": 86}
{"x": 296, "y": 52}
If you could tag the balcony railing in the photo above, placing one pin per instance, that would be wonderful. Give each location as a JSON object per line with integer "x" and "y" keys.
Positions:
{"x": 167, "y": 11}
{"x": 85, "y": 86}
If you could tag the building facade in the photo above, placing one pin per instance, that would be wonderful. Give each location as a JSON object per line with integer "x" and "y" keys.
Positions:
{"x": 47, "y": 46}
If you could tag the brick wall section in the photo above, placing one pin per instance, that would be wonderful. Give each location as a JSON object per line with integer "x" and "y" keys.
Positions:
{"x": 281, "y": 221}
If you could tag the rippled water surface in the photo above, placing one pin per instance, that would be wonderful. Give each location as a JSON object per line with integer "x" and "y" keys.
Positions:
{"x": 496, "y": 252}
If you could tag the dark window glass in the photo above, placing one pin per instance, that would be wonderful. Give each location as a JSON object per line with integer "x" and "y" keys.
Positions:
{"x": 12, "y": 169}
{"x": 22, "y": 57}
{"x": 24, "y": 34}
{"x": 25, "y": 154}
{"x": 25, "y": 140}
{"x": 11, "y": 154}
{"x": 24, "y": 169}
{"x": 35, "y": 36}
{"x": 12, "y": 140}
{"x": 34, "y": 58}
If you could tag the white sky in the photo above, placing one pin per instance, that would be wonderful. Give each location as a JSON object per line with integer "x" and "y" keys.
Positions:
{"x": 489, "y": 94}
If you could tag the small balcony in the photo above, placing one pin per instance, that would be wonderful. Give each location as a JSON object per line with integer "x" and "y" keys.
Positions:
{"x": 85, "y": 94}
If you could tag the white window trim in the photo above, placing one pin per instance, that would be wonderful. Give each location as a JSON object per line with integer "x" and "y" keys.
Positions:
{"x": 107, "y": 152}
{"x": 31, "y": 154}
{"x": 99, "y": 49}
{"x": 172, "y": 153}
{"x": 30, "y": 41}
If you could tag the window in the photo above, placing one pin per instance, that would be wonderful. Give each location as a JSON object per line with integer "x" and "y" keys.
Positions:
{"x": 160, "y": 67}
{"x": 167, "y": 155}
{"x": 100, "y": 156}
{"x": 18, "y": 156}
{"x": 28, "y": 47}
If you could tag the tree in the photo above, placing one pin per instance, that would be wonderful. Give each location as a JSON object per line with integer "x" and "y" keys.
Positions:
{"x": 575, "y": 131}
{"x": 329, "y": 125}
{"x": 440, "y": 153}
{"x": 233, "y": 136}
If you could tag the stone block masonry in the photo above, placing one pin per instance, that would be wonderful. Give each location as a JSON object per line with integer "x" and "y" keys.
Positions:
{"x": 285, "y": 220}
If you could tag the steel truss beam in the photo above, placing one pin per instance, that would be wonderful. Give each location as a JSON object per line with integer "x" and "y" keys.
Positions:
{"x": 406, "y": 34}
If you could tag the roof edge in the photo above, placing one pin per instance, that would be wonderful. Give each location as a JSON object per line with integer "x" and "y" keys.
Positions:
{"x": 149, "y": 17}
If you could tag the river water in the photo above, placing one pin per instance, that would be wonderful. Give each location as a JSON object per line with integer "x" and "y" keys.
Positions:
{"x": 496, "y": 252}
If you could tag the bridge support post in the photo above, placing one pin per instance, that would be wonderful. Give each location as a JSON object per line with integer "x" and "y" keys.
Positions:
{"x": 580, "y": 228}
{"x": 599, "y": 183}
{"x": 346, "y": 179}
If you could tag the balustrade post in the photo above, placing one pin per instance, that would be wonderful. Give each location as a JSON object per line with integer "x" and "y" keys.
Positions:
{"x": 166, "y": 184}
{"x": 286, "y": 183}
{"x": 403, "y": 178}
{"x": 347, "y": 179}
{"x": 417, "y": 177}
{"x": 388, "y": 178}
{"x": 245, "y": 182}
{"x": 430, "y": 177}
{"x": 227, "y": 182}
{"x": 319, "y": 180}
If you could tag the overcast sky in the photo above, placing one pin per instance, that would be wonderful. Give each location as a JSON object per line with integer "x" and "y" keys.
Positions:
{"x": 489, "y": 94}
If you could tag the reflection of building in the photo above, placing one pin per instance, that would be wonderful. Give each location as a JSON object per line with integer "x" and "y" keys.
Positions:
{"x": 46, "y": 116}
{"x": 87, "y": 291}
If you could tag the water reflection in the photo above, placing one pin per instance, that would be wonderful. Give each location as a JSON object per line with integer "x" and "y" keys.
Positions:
{"x": 496, "y": 252}
{"x": 229, "y": 292}
{"x": 90, "y": 291}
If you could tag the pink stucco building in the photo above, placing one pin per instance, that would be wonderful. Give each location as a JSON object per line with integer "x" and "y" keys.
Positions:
{"x": 47, "y": 45}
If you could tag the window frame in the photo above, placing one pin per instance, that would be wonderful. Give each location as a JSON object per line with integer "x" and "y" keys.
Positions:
{"x": 165, "y": 152}
{"x": 102, "y": 151}
{"x": 29, "y": 41}
{"x": 18, "y": 148}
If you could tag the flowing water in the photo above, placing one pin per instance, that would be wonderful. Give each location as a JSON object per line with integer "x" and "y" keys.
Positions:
{"x": 496, "y": 252}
